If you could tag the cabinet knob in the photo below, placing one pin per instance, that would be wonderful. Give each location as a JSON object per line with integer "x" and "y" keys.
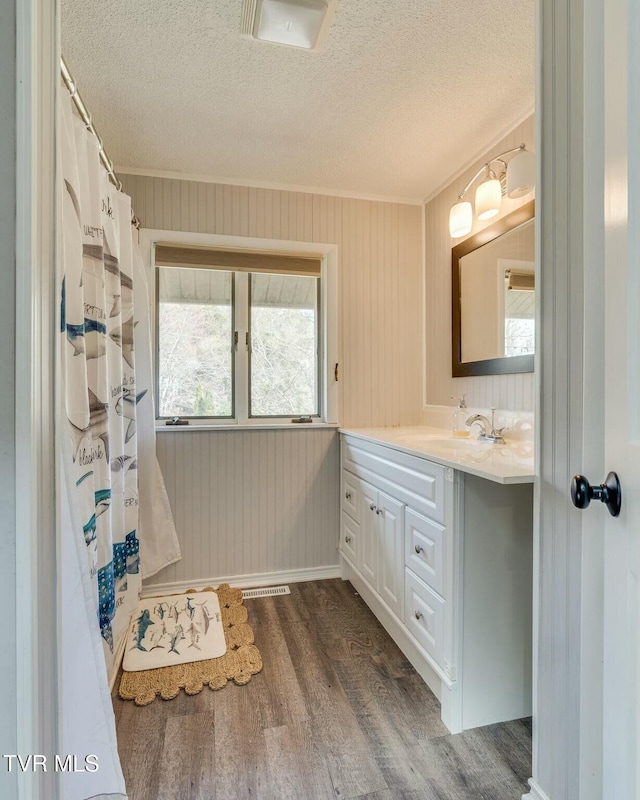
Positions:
{"x": 418, "y": 614}
{"x": 379, "y": 511}
{"x": 418, "y": 549}
{"x": 347, "y": 539}
{"x": 347, "y": 495}
{"x": 372, "y": 507}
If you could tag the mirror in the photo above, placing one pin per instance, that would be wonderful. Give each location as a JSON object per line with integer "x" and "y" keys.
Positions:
{"x": 493, "y": 298}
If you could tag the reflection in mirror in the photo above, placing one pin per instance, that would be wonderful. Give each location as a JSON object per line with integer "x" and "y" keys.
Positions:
{"x": 493, "y": 282}
{"x": 497, "y": 297}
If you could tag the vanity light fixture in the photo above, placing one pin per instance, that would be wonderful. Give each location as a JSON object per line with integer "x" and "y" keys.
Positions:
{"x": 515, "y": 179}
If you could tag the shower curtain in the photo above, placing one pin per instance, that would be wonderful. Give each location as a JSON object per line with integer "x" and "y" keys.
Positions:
{"x": 109, "y": 517}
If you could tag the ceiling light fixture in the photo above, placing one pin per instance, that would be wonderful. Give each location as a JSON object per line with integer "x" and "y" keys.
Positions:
{"x": 296, "y": 23}
{"x": 515, "y": 179}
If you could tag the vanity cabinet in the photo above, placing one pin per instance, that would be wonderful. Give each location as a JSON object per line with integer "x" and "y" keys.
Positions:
{"x": 444, "y": 560}
{"x": 395, "y": 506}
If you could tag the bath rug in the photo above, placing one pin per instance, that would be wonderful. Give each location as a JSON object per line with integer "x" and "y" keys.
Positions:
{"x": 172, "y": 630}
{"x": 241, "y": 660}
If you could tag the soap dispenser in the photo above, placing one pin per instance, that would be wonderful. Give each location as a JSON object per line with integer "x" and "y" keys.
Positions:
{"x": 459, "y": 421}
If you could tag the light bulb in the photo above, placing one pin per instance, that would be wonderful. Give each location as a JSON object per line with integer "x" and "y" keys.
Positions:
{"x": 460, "y": 219}
{"x": 488, "y": 198}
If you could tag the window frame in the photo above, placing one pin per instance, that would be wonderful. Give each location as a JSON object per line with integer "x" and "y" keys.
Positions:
{"x": 328, "y": 312}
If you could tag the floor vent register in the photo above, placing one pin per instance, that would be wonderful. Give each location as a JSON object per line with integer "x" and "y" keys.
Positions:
{"x": 265, "y": 591}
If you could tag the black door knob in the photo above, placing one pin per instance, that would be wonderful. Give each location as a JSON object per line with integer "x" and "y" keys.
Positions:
{"x": 609, "y": 493}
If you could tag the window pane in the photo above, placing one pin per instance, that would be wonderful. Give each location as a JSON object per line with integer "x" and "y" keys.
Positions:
{"x": 284, "y": 345}
{"x": 195, "y": 343}
{"x": 519, "y": 322}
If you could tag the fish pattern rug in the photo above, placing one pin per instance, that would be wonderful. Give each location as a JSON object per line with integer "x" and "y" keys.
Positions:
{"x": 175, "y": 629}
{"x": 238, "y": 662}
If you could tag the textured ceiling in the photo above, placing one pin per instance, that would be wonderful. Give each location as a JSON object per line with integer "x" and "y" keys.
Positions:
{"x": 402, "y": 93}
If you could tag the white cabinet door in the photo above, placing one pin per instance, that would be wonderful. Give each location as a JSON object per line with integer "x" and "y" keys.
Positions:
{"x": 368, "y": 549}
{"x": 351, "y": 502}
{"x": 424, "y": 549}
{"x": 424, "y": 616}
{"x": 391, "y": 552}
{"x": 349, "y": 538}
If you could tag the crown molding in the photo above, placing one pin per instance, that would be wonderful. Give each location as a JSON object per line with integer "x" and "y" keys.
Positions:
{"x": 280, "y": 187}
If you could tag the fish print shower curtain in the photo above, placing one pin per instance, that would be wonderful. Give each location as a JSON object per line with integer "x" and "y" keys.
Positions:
{"x": 102, "y": 408}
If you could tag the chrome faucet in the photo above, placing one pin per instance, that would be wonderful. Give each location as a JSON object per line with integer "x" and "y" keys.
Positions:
{"x": 489, "y": 432}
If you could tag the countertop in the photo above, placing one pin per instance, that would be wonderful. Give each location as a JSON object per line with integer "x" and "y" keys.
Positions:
{"x": 507, "y": 463}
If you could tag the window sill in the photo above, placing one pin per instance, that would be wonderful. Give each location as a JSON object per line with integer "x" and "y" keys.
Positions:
{"x": 267, "y": 426}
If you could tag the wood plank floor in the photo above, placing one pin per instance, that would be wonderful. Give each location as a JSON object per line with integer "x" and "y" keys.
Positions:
{"x": 337, "y": 712}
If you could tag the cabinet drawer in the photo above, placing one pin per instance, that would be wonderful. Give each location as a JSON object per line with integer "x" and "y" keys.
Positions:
{"x": 415, "y": 481}
{"x": 349, "y": 536}
{"x": 351, "y": 493}
{"x": 424, "y": 615}
{"x": 424, "y": 549}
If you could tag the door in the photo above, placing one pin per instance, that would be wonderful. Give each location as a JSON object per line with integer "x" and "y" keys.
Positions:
{"x": 621, "y": 777}
{"x": 391, "y": 552}
{"x": 368, "y": 551}
{"x": 610, "y": 740}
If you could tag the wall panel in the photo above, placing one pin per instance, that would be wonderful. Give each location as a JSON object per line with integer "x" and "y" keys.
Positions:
{"x": 250, "y": 502}
{"x": 516, "y": 392}
{"x": 257, "y": 501}
{"x": 380, "y": 271}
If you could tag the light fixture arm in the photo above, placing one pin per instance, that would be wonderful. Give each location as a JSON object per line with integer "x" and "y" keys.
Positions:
{"x": 486, "y": 166}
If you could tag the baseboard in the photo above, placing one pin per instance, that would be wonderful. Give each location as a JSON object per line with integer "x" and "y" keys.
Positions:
{"x": 536, "y": 792}
{"x": 117, "y": 661}
{"x": 249, "y": 581}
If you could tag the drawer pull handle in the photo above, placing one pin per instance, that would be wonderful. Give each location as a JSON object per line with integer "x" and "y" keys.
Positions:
{"x": 372, "y": 507}
{"x": 418, "y": 549}
{"x": 347, "y": 495}
{"x": 379, "y": 511}
{"x": 347, "y": 539}
{"x": 418, "y": 614}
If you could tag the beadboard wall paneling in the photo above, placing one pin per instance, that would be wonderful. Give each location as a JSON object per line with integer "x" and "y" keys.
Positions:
{"x": 380, "y": 272}
{"x": 515, "y": 392}
{"x": 248, "y": 502}
{"x": 257, "y": 501}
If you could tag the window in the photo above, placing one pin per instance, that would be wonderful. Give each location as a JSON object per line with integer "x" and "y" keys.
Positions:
{"x": 239, "y": 335}
{"x": 195, "y": 338}
{"x": 283, "y": 345}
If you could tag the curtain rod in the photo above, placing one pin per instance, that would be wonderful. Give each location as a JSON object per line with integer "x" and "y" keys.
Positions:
{"x": 86, "y": 118}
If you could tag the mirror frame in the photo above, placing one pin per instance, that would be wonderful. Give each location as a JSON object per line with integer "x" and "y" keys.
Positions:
{"x": 490, "y": 366}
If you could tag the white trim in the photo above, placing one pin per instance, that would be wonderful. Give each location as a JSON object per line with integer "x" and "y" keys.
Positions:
{"x": 117, "y": 661}
{"x": 245, "y": 581}
{"x": 481, "y": 154}
{"x": 536, "y": 792}
{"x": 423, "y": 301}
{"x": 37, "y": 608}
{"x": 329, "y": 285}
{"x": 257, "y": 184}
